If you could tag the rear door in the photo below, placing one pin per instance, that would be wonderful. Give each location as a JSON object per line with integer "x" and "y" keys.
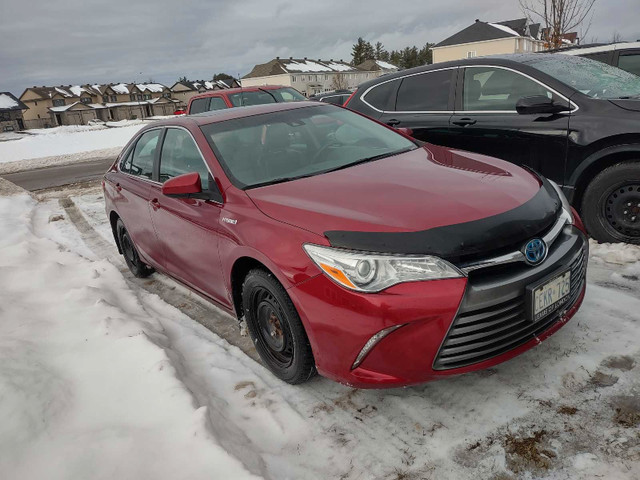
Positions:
{"x": 132, "y": 185}
{"x": 423, "y": 102}
{"x": 188, "y": 228}
{"x": 486, "y": 120}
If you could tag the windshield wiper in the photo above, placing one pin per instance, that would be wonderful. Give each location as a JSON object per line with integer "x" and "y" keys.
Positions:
{"x": 279, "y": 180}
{"x": 628, "y": 97}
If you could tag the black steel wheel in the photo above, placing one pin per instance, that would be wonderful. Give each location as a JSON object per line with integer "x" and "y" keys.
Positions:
{"x": 611, "y": 204}
{"x": 275, "y": 328}
{"x": 130, "y": 253}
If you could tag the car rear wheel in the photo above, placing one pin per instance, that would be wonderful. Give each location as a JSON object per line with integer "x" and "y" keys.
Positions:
{"x": 611, "y": 204}
{"x": 276, "y": 329}
{"x": 130, "y": 253}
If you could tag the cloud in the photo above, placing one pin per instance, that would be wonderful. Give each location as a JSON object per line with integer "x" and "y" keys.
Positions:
{"x": 79, "y": 41}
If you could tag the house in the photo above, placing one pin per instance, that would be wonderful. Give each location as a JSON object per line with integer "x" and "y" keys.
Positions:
{"x": 183, "y": 90}
{"x": 377, "y": 66}
{"x": 11, "y": 113}
{"x": 78, "y": 104}
{"x": 487, "y": 38}
{"x": 310, "y": 77}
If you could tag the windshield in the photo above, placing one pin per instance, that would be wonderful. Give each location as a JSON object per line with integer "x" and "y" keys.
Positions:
{"x": 261, "y": 97}
{"x": 593, "y": 78}
{"x": 283, "y": 146}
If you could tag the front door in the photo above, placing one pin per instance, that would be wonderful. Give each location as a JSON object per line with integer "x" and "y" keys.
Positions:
{"x": 486, "y": 121}
{"x": 188, "y": 228}
{"x": 424, "y": 104}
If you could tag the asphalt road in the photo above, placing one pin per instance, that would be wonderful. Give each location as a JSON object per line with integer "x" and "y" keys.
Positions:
{"x": 57, "y": 176}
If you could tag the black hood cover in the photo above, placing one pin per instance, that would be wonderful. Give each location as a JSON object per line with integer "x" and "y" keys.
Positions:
{"x": 468, "y": 241}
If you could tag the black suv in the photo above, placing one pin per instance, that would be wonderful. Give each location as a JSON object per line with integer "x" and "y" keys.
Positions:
{"x": 337, "y": 97}
{"x": 575, "y": 120}
{"x": 624, "y": 55}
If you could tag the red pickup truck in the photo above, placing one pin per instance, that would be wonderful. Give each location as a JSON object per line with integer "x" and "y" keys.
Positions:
{"x": 241, "y": 97}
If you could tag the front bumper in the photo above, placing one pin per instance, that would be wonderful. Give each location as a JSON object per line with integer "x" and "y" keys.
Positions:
{"x": 449, "y": 326}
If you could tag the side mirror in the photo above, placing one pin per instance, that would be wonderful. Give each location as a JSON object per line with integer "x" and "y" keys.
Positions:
{"x": 183, "y": 186}
{"x": 539, "y": 104}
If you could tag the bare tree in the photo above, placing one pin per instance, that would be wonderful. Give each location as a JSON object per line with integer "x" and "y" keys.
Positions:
{"x": 339, "y": 82}
{"x": 616, "y": 37}
{"x": 558, "y": 17}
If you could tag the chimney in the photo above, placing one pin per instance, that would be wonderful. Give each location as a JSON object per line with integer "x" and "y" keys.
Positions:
{"x": 290, "y": 58}
{"x": 277, "y": 58}
{"x": 305, "y": 58}
{"x": 477, "y": 20}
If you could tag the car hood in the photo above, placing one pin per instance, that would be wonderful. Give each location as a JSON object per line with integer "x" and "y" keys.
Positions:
{"x": 389, "y": 204}
{"x": 632, "y": 104}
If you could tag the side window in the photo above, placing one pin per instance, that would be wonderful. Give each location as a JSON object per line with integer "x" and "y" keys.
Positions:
{"x": 630, "y": 63}
{"x": 217, "y": 103}
{"x": 428, "y": 92}
{"x": 379, "y": 95}
{"x": 141, "y": 162}
{"x": 199, "y": 105}
{"x": 180, "y": 155}
{"x": 125, "y": 163}
{"x": 497, "y": 89}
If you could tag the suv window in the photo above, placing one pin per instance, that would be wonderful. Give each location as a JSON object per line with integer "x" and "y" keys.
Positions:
{"x": 425, "y": 92}
{"x": 217, "y": 103}
{"x": 379, "y": 95}
{"x": 141, "y": 162}
{"x": 630, "y": 63}
{"x": 181, "y": 155}
{"x": 199, "y": 105}
{"x": 492, "y": 89}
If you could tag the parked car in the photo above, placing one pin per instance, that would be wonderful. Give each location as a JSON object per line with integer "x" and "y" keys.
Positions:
{"x": 338, "y": 97}
{"x": 346, "y": 246}
{"x": 575, "y": 120}
{"x": 180, "y": 111}
{"x": 624, "y": 55}
{"x": 242, "y": 97}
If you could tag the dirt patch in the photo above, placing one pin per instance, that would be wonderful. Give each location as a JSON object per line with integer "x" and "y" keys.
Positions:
{"x": 567, "y": 410}
{"x": 528, "y": 453}
{"x": 601, "y": 379}
{"x": 622, "y": 362}
{"x": 627, "y": 411}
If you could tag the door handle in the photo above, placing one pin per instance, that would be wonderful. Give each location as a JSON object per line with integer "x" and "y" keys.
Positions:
{"x": 155, "y": 204}
{"x": 463, "y": 122}
{"x": 118, "y": 187}
{"x": 393, "y": 122}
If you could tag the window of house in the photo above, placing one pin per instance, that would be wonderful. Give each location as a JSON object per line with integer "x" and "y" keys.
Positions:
{"x": 166, "y": 95}
{"x": 140, "y": 97}
{"x": 181, "y": 155}
{"x": 58, "y": 102}
{"x": 8, "y": 128}
{"x": 114, "y": 98}
{"x": 36, "y": 103}
{"x": 105, "y": 99}
{"x": 427, "y": 92}
{"x": 471, "y": 54}
{"x": 141, "y": 162}
{"x": 294, "y": 78}
{"x": 132, "y": 97}
{"x": 86, "y": 100}
{"x": 147, "y": 96}
{"x": 491, "y": 88}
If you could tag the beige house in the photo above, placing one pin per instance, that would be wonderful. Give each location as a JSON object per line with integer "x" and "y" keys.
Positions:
{"x": 11, "y": 113}
{"x": 78, "y": 104}
{"x": 486, "y": 38}
{"x": 184, "y": 90}
{"x": 312, "y": 77}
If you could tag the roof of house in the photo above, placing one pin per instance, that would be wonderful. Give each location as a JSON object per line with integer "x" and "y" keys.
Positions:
{"x": 376, "y": 65}
{"x": 9, "y": 102}
{"x": 481, "y": 31}
{"x": 282, "y": 66}
{"x": 197, "y": 85}
{"x": 75, "y": 91}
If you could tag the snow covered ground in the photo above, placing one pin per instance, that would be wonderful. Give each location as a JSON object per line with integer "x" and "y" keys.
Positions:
{"x": 100, "y": 379}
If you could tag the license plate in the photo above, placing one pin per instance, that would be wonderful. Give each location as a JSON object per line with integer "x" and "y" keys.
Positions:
{"x": 549, "y": 296}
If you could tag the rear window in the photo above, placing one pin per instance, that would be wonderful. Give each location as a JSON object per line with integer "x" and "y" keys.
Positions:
{"x": 262, "y": 97}
{"x": 378, "y": 96}
{"x": 199, "y": 105}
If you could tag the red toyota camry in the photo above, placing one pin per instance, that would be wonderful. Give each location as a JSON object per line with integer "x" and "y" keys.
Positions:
{"x": 348, "y": 248}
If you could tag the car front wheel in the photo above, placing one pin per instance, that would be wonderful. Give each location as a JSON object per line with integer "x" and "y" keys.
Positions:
{"x": 276, "y": 329}
{"x": 611, "y": 204}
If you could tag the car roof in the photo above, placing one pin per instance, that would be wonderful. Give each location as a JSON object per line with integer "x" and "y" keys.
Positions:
{"x": 216, "y": 116}
{"x": 228, "y": 91}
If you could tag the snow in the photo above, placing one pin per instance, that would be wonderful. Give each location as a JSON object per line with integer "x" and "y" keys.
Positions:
{"x": 89, "y": 388}
{"x": 7, "y": 102}
{"x": 504, "y": 28}
{"x": 311, "y": 66}
{"x": 208, "y": 85}
{"x": 385, "y": 65}
{"x": 120, "y": 88}
{"x": 63, "y": 92}
{"x": 151, "y": 87}
{"x": 63, "y": 108}
{"x": 615, "y": 253}
{"x": 66, "y": 140}
{"x": 77, "y": 90}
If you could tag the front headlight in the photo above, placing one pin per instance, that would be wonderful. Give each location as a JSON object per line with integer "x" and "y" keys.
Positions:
{"x": 373, "y": 272}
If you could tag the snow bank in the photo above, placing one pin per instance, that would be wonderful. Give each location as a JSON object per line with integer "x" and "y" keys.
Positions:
{"x": 615, "y": 253}
{"x": 66, "y": 140}
{"x": 89, "y": 388}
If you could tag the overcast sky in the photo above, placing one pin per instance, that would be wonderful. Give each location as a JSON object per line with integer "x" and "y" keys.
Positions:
{"x": 45, "y": 42}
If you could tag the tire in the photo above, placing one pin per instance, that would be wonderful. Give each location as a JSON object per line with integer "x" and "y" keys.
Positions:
{"x": 130, "y": 253}
{"x": 276, "y": 329}
{"x": 611, "y": 204}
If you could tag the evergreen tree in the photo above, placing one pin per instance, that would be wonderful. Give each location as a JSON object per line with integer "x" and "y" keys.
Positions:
{"x": 380, "y": 53}
{"x": 361, "y": 51}
{"x": 425, "y": 55}
{"x": 183, "y": 79}
{"x": 222, "y": 76}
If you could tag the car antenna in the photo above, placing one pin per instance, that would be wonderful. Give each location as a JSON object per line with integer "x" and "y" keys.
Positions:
{"x": 241, "y": 92}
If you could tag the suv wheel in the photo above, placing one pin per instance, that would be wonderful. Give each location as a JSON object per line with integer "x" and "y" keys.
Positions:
{"x": 130, "y": 253}
{"x": 611, "y": 204}
{"x": 276, "y": 329}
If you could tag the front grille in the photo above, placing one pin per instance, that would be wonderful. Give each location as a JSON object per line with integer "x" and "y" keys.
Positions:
{"x": 481, "y": 334}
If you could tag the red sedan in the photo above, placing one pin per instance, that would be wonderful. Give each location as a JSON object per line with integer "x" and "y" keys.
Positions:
{"x": 348, "y": 248}
{"x": 242, "y": 97}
